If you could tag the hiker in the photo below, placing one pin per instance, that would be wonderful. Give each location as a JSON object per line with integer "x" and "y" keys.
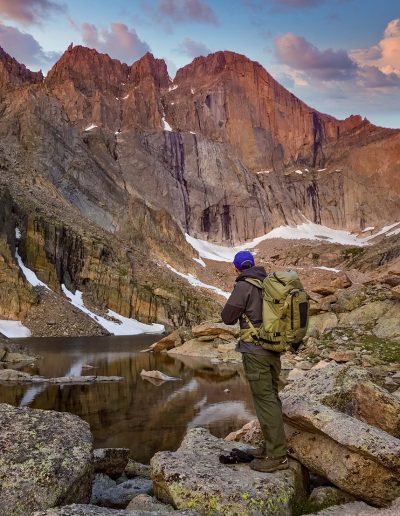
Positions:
{"x": 262, "y": 366}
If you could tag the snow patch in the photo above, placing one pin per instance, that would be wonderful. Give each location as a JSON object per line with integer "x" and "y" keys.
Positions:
{"x": 197, "y": 283}
{"x": 166, "y": 125}
{"x": 306, "y": 170}
{"x": 331, "y": 269}
{"x": 90, "y": 127}
{"x": 124, "y": 326}
{"x": 17, "y": 233}
{"x": 200, "y": 261}
{"x": 263, "y": 172}
{"x": 321, "y": 169}
{"x": 30, "y": 276}
{"x": 126, "y": 97}
{"x": 370, "y": 228}
{"x": 192, "y": 132}
{"x": 192, "y": 91}
{"x": 172, "y": 88}
{"x": 14, "y": 329}
{"x": 299, "y": 172}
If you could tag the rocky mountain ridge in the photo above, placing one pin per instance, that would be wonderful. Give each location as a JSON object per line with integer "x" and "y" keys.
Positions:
{"x": 100, "y": 151}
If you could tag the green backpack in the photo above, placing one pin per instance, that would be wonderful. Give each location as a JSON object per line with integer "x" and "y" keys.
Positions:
{"x": 285, "y": 312}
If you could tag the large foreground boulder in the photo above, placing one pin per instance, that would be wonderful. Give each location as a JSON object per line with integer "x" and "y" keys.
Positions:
{"x": 325, "y": 434}
{"x": 193, "y": 478}
{"x": 45, "y": 460}
{"x": 329, "y": 415}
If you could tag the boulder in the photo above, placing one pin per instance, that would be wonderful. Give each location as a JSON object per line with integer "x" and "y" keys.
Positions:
{"x": 324, "y": 434}
{"x": 396, "y": 290}
{"x": 158, "y": 375}
{"x": 342, "y": 356}
{"x": 17, "y": 357}
{"x": 145, "y": 502}
{"x": 117, "y": 496}
{"x": 321, "y": 323}
{"x": 45, "y": 461}
{"x": 110, "y": 461}
{"x": 209, "y": 350}
{"x": 388, "y": 326}
{"x": 172, "y": 340}
{"x": 295, "y": 374}
{"x": 250, "y": 433}
{"x": 328, "y": 496}
{"x": 341, "y": 281}
{"x": 324, "y": 290}
{"x": 136, "y": 469}
{"x": 360, "y": 509}
{"x": 193, "y": 477}
{"x": 365, "y": 314}
{"x": 214, "y": 329}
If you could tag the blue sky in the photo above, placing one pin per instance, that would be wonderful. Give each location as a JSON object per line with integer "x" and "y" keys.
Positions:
{"x": 340, "y": 56}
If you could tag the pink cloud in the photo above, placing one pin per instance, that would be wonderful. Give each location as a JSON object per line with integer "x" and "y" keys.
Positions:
{"x": 192, "y": 48}
{"x": 186, "y": 10}
{"x": 25, "y": 49}
{"x": 29, "y": 11}
{"x": 119, "y": 41}
{"x": 385, "y": 55}
{"x": 298, "y": 53}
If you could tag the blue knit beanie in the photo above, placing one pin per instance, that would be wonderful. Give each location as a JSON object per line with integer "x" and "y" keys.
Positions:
{"x": 243, "y": 258}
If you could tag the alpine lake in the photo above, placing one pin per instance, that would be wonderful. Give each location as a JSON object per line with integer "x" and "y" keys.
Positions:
{"x": 141, "y": 414}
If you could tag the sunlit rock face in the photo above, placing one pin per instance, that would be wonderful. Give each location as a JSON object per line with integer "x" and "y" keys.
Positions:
{"x": 109, "y": 164}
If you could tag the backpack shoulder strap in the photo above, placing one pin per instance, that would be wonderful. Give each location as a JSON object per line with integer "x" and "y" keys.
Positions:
{"x": 255, "y": 282}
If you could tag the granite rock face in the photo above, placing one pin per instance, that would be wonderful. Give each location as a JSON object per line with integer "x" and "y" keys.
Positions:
{"x": 193, "y": 478}
{"x": 46, "y": 460}
{"x": 223, "y": 153}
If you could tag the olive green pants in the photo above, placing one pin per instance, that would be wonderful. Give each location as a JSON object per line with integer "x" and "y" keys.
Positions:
{"x": 262, "y": 373}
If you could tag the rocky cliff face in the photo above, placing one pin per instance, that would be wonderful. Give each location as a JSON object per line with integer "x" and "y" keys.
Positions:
{"x": 109, "y": 164}
{"x": 14, "y": 74}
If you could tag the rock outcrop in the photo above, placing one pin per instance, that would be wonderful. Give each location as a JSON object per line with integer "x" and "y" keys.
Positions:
{"x": 46, "y": 460}
{"x": 193, "y": 478}
{"x": 329, "y": 415}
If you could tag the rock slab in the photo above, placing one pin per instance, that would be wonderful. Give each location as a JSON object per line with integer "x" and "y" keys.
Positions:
{"x": 45, "y": 460}
{"x": 193, "y": 478}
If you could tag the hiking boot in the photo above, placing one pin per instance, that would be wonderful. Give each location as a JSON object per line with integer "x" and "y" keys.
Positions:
{"x": 270, "y": 464}
{"x": 258, "y": 453}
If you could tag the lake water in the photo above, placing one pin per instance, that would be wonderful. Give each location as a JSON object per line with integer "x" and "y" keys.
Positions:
{"x": 134, "y": 413}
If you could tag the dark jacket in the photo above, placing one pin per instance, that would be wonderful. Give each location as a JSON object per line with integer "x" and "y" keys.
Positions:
{"x": 246, "y": 298}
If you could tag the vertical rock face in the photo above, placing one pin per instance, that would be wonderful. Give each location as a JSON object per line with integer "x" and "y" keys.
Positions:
{"x": 235, "y": 100}
{"x": 105, "y": 151}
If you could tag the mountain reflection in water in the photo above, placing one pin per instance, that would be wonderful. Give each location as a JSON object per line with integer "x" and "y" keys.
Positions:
{"x": 135, "y": 413}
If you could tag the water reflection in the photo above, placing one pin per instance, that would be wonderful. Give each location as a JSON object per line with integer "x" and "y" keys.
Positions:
{"x": 135, "y": 413}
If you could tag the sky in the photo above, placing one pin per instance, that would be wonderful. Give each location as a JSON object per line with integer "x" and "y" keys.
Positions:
{"x": 341, "y": 57}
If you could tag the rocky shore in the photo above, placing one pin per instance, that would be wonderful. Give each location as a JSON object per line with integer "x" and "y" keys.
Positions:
{"x": 341, "y": 404}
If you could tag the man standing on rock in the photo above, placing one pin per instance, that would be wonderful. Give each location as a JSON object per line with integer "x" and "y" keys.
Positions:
{"x": 262, "y": 367}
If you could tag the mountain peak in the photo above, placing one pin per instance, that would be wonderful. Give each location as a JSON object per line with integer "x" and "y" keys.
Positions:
{"x": 89, "y": 69}
{"x": 13, "y": 73}
{"x": 149, "y": 66}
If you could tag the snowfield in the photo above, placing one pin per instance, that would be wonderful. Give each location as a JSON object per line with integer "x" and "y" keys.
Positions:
{"x": 306, "y": 231}
{"x": 125, "y": 326}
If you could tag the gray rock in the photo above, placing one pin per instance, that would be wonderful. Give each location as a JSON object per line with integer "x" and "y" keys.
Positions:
{"x": 107, "y": 493}
{"x": 46, "y": 459}
{"x": 321, "y": 323}
{"x": 135, "y": 469}
{"x": 360, "y": 509}
{"x": 110, "y": 461}
{"x": 327, "y": 496}
{"x": 323, "y": 434}
{"x": 193, "y": 477}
